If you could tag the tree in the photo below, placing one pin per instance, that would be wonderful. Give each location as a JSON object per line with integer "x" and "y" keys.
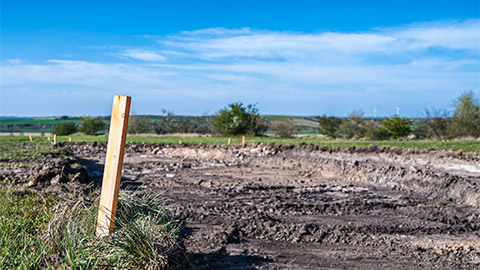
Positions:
{"x": 92, "y": 125}
{"x": 397, "y": 127}
{"x": 236, "y": 119}
{"x": 138, "y": 124}
{"x": 354, "y": 126}
{"x": 284, "y": 128}
{"x": 437, "y": 122}
{"x": 466, "y": 117}
{"x": 329, "y": 125}
{"x": 64, "y": 128}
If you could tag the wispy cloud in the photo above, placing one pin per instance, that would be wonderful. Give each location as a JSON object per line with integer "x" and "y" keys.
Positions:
{"x": 286, "y": 72}
{"x": 144, "y": 55}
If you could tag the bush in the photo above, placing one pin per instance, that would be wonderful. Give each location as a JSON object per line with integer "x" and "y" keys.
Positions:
{"x": 92, "y": 125}
{"x": 437, "y": 123}
{"x": 375, "y": 132}
{"x": 397, "y": 127}
{"x": 284, "y": 128}
{"x": 64, "y": 128}
{"x": 139, "y": 125}
{"x": 236, "y": 119}
{"x": 466, "y": 117}
{"x": 354, "y": 126}
{"x": 329, "y": 125}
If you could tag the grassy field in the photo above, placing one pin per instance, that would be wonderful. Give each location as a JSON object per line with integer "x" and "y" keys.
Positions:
{"x": 457, "y": 145}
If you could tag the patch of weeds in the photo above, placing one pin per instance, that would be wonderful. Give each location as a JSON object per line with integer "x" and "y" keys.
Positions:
{"x": 23, "y": 217}
{"x": 145, "y": 236}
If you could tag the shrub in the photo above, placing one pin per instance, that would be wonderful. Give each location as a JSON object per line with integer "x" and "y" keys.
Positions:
{"x": 437, "y": 123}
{"x": 65, "y": 128}
{"x": 353, "y": 126}
{"x": 397, "y": 127}
{"x": 138, "y": 125}
{"x": 92, "y": 125}
{"x": 466, "y": 117}
{"x": 284, "y": 128}
{"x": 375, "y": 132}
{"x": 329, "y": 125}
{"x": 236, "y": 119}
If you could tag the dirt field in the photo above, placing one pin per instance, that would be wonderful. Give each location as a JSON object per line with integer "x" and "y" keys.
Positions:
{"x": 270, "y": 207}
{"x": 303, "y": 207}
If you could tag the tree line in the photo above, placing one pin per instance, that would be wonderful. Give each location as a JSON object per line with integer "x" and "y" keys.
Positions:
{"x": 237, "y": 118}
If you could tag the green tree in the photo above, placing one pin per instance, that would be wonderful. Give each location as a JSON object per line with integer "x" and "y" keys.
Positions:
{"x": 354, "y": 126}
{"x": 397, "y": 127}
{"x": 236, "y": 119}
{"x": 92, "y": 125}
{"x": 466, "y": 117}
{"x": 437, "y": 122}
{"x": 64, "y": 128}
{"x": 328, "y": 125}
{"x": 138, "y": 124}
{"x": 284, "y": 128}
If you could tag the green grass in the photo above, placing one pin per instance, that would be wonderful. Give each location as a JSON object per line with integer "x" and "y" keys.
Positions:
{"x": 24, "y": 217}
{"x": 19, "y": 147}
{"x": 456, "y": 145}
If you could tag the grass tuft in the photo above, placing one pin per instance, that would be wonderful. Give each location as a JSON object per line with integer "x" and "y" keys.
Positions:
{"x": 145, "y": 236}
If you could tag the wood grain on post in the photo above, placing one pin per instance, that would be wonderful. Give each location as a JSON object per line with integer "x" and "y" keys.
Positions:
{"x": 243, "y": 141}
{"x": 113, "y": 165}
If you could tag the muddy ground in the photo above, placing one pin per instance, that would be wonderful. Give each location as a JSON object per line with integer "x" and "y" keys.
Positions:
{"x": 305, "y": 207}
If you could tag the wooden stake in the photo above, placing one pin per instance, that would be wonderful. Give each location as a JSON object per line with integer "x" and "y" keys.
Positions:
{"x": 113, "y": 165}
{"x": 30, "y": 137}
{"x": 243, "y": 141}
{"x": 54, "y": 139}
{"x": 69, "y": 139}
{"x": 48, "y": 138}
{"x": 179, "y": 141}
{"x": 229, "y": 141}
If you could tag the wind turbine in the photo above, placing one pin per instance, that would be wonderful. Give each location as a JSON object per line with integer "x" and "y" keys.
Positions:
{"x": 374, "y": 112}
{"x": 398, "y": 111}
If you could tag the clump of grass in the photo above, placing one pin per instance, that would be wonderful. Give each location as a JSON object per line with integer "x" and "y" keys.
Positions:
{"x": 24, "y": 215}
{"x": 145, "y": 236}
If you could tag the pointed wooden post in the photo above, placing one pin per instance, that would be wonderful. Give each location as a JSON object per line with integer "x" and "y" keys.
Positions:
{"x": 113, "y": 165}
{"x": 179, "y": 142}
{"x": 229, "y": 141}
{"x": 54, "y": 139}
{"x": 30, "y": 137}
{"x": 243, "y": 141}
{"x": 69, "y": 139}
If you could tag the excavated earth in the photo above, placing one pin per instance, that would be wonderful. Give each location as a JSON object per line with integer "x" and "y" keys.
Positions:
{"x": 305, "y": 207}
{"x": 280, "y": 207}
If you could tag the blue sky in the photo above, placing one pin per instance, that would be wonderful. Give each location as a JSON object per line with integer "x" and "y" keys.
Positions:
{"x": 194, "y": 57}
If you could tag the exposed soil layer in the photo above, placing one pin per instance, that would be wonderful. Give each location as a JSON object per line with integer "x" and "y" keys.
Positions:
{"x": 305, "y": 207}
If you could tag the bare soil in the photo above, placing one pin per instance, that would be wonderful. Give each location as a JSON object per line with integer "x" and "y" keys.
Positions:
{"x": 305, "y": 207}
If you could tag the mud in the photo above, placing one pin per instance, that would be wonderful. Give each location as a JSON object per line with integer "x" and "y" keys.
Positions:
{"x": 309, "y": 207}
{"x": 305, "y": 207}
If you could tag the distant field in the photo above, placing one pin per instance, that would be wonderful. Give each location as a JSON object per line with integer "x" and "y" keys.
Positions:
{"x": 304, "y": 124}
{"x": 462, "y": 145}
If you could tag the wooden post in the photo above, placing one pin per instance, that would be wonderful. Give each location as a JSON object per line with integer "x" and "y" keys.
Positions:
{"x": 243, "y": 141}
{"x": 30, "y": 137}
{"x": 69, "y": 139}
{"x": 229, "y": 141}
{"x": 113, "y": 165}
{"x": 54, "y": 139}
{"x": 48, "y": 138}
{"x": 179, "y": 141}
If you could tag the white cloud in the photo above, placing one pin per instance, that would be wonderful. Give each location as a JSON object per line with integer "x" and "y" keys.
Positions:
{"x": 144, "y": 55}
{"x": 286, "y": 72}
